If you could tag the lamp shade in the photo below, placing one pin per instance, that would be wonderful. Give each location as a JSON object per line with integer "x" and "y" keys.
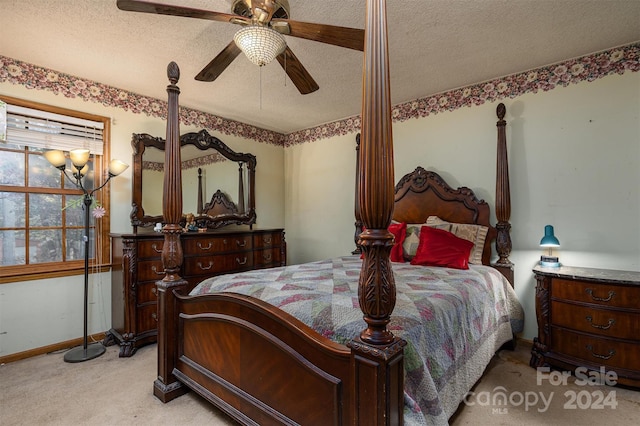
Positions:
{"x": 549, "y": 240}
{"x": 56, "y": 158}
{"x": 80, "y": 172}
{"x": 79, "y": 157}
{"x": 260, "y": 44}
{"x": 116, "y": 167}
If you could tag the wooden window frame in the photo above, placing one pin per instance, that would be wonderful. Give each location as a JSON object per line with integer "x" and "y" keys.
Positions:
{"x": 17, "y": 273}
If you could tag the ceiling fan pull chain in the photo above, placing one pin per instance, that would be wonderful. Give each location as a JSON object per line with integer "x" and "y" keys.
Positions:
{"x": 260, "y": 88}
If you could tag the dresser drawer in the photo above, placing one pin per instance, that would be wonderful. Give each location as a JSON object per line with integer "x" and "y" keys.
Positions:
{"x": 146, "y": 317}
{"x": 596, "y": 293}
{"x": 146, "y": 292}
{"x": 150, "y": 249}
{"x": 217, "y": 264}
{"x": 208, "y": 245}
{"x": 604, "y": 322}
{"x": 267, "y": 258}
{"x": 267, "y": 240}
{"x": 150, "y": 270}
{"x": 597, "y": 350}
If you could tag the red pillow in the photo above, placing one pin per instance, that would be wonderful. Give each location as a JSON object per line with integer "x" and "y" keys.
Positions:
{"x": 399, "y": 231}
{"x": 438, "y": 247}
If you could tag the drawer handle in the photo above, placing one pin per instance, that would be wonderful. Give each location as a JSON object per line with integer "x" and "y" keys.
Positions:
{"x": 154, "y": 316}
{"x": 206, "y": 268}
{"x": 243, "y": 262}
{"x": 600, "y": 299}
{"x": 154, "y": 269}
{"x": 154, "y": 290}
{"x": 601, "y": 327}
{"x": 241, "y": 243}
{"x": 154, "y": 246}
{"x": 611, "y": 353}
{"x": 267, "y": 257}
{"x": 204, "y": 248}
{"x": 267, "y": 240}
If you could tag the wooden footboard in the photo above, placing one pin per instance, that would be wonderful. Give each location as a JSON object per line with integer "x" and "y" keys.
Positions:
{"x": 262, "y": 366}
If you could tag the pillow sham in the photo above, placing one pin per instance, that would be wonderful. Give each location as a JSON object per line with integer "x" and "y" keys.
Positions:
{"x": 477, "y": 234}
{"x": 411, "y": 240}
{"x": 399, "y": 231}
{"x": 442, "y": 248}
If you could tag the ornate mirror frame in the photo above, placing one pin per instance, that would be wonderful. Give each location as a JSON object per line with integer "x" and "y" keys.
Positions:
{"x": 225, "y": 212}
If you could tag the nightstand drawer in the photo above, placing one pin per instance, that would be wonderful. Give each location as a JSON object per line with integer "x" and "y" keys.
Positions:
{"x": 596, "y": 293}
{"x": 596, "y": 350}
{"x": 609, "y": 323}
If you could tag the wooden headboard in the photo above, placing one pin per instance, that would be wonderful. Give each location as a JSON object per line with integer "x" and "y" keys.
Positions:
{"x": 421, "y": 194}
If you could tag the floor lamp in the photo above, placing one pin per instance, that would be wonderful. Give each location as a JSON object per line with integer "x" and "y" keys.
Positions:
{"x": 79, "y": 169}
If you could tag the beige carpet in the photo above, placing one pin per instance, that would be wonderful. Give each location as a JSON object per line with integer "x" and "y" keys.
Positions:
{"x": 45, "y": 390}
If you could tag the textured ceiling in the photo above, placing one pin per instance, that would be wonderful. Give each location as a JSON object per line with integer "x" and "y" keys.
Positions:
{"x": 434, "y": 45}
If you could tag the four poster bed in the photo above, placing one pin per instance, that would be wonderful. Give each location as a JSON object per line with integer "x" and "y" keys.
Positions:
{"x": 387, "y": 342}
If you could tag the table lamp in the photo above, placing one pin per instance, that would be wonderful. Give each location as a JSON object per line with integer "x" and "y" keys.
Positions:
{"x": 549, "y": 240}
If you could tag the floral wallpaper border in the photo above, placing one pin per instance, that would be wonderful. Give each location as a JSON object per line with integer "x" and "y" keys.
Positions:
{"x": 586, "y": 68}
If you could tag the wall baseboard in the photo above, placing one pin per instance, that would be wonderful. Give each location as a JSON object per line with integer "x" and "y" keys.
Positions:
{"x": 98, "y": 337}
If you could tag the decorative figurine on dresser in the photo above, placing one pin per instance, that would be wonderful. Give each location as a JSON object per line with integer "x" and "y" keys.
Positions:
{"x": 588, "y": 319}
{"x": 218, "y": 238}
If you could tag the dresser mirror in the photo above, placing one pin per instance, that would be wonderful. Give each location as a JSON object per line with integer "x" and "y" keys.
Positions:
{"x": 218, "y": 183}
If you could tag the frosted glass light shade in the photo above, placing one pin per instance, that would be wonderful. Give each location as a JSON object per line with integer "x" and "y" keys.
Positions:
{"x": 260, "y": 44}
{"x": 79, "y": 157}
{"x": 116, "y": 167}
{"x": 82, "y": 172}
{"x": 56, "y": 158}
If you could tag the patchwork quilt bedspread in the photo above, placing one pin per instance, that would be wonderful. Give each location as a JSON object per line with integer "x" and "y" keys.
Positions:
{"x": 453, "y": 320}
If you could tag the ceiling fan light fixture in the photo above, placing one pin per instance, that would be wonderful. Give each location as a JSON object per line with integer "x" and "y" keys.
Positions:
{"x": 260, "y": 44}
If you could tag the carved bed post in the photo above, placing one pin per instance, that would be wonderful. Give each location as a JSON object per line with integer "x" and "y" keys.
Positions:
{"x": 377, "y": 354}
{"x": 503, "y": 200}
{"x": 200, "y": 196}
{"x": 240, "y": 190}
{"x": 166, "y": 387}
{"x": 358, "y": 224}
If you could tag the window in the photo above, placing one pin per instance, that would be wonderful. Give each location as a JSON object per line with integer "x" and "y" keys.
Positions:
{"x": 42, "y": 215}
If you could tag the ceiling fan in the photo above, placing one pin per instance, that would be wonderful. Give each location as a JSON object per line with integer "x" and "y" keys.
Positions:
{"x": 263, "y": 22}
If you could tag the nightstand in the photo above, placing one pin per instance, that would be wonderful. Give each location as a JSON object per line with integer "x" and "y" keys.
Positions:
{"x": 588, "y": 318}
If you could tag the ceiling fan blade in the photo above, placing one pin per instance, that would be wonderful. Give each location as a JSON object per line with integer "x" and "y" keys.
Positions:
{"x": 219, "y": 63}
{"x": 167, "y": 9}
{"x": 351, "y": 38}
{"x": 297, "y": 73}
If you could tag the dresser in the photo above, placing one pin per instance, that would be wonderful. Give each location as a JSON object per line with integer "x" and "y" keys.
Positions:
{"x": 137, "y": 265}
{"x": 588, "y": 318}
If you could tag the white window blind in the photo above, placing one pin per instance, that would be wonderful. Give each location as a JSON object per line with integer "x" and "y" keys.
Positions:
{"x": 41, "y": 129}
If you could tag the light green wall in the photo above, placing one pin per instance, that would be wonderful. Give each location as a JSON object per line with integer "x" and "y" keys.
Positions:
{"x": 574, "y": 162}
{"x": 44, "y": 312}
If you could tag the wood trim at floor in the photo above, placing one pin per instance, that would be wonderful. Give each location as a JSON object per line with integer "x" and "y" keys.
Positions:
{"x": 98, "y": 337}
